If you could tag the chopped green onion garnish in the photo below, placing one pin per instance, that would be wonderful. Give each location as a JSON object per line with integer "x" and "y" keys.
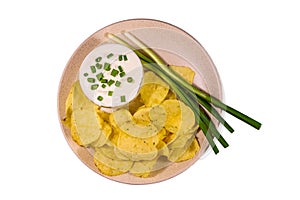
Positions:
{"x": 99, "y": 66}
{"x": 100, "y": 98}
{"x": 85, "y": 74}
{"x": 94, "y": 87}
{"x": 100, "y": 76}
{"x": 120, "y": 57}
{"x": 120, "y": 68}
{"x": 103, "y": 81}
{"x": 110, "y": 55}
{"x": 125, "y": 58}
{"x": 103, "y": 86}
{"x": 122, "y": 74}
{"x": 107, "y": 66}
{"x": 110, "y": 82}
{"x": 118, "y": 83}
{"x": 123, "y": 99}
{"x": 93, "y": 69}
{"x": 129, "y": 79}
{"x": 98, "y": 59}
{"x": 114, "y": 72}
{"x": 91, "y": 80}
{"x": 110, "y": 93}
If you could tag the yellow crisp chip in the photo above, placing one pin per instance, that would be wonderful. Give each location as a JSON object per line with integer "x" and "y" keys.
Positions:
{"x": 180, "y": 141}
{"x": 171, "y": 95}
{"x": 141, "y": 116}
{"x": 102, "y": 114}
{"x": 106, "y": 129}
{"x": 185, "y": 72}
{"x": 178, "y": 152}
{"x": 190, "y": 152}
{"x": 169, "y": 138}
{"x": 123, "y": 120}
{"x": 173, "y": 120}
{"x": 163, "y": 149}
{"x": 154, "y": 89}
{"x": 108, "y": 171}
{"x": 67, "y": 120}
{"x": 135, "y": 104}
{"x": 85, "y": 117}
{"x": 119, "y": 154}
{"x": 180, "y": 117}
{"x": 143, "y": 168}
{"x": 114, "y": 136}
{"x": 74, "y": 134}
{"x": 137, "y": 148}
{"x": 102, "y": 155}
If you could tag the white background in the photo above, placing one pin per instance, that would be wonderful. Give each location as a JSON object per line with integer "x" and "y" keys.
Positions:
{"x": 255, "y": 46}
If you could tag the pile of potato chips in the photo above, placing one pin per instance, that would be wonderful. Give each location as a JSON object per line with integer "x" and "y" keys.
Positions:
{"x": 151, "y": 132}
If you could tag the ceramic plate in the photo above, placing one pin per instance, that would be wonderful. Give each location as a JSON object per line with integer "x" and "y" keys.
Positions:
{"x": 176, "y": 47}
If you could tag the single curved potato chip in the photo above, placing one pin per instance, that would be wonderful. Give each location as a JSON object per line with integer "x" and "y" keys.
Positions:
{"x": 180, "y": 117}
{"x": 169, "y": 138}
{"x": 190, "y": 152}
{"x": 102, "y": 114}
{"x": 113, "y": 163}
{"x": 143, "y": 168}
{"x": 185, "y": 72}
{"x": 137, "y": 148}
{"x": 178, "y": 152}
{"x": 85, "y": 117}
{"x": 75, "y": 136}
{"x": 67, "y": 120}
{"x": 108, "y": 171}
{"x": 106, "y": 130}
{"x": 119, "y": 154}
{"x": 135, "y": 104}
{"x": 163, "y": 149}
{"x": 141, "y": 116}
{"x": 123, "y": 120}
{"x": 109, "y": 151}
{"x": 180, "y": 141}
{"x": 154, "y": 89}
{"x": 171, "y": 95}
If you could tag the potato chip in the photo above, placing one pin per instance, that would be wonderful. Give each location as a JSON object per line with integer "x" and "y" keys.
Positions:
{"x": 119, "y": 154}
{"x": 190, "y": 152}
{"x": 163, "y": 149}
{"x": 135, "y": 104}
{"x": 180, "y": 141}
{"x": 108, "y": 171}
{"x": 143, "y": 168}
{"x": 74, "y": 134}
{"x": 176, "y": 153}
{"x": 106, "y": 130}
{"x": 102, "y": 114}
{"x": 171, "y": 95}
{"x": 137, "y": 148}
{"x": 169, "y": 138}
{"x": 102, "y": 155}
{"x": 67, "y": 120}
{"x": 185, "y": 72}
{"x": 85, "y": 117}
{"x": 114, "y": 137}
{"x": 123, "y": 120}
{"x": 158, "y": 116}
{"x": 180, "y": 117}
{"x": 141, "y": 116}
{"x": 154, "y": 89}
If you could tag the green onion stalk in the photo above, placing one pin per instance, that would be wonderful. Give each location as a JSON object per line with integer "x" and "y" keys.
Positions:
{"x": 197, "y": 99}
